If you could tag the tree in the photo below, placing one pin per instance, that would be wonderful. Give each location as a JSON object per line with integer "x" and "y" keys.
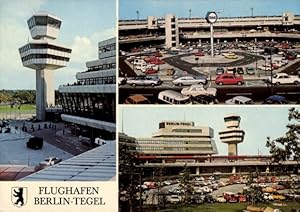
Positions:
{"x": 254, "y": 192}
{"x": 129, "y": 174}
{"x": 287, "y": 147}
{"x": 5, "y": 97}
{"x": 186, "y": 184}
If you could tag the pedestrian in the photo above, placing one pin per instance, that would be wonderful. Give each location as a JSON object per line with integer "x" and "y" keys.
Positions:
{"x": 63, "y": 131}
{"x": 39, "y": 127}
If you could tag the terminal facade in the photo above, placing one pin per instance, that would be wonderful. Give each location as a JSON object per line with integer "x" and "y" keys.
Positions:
{"x": 171, "y": 30}
{"x": 179, "y": 144}
{"x": 90, "y": 102}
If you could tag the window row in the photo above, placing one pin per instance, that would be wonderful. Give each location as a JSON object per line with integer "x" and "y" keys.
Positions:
{"x": 43, "y": 21}
{"x": 43, "y": 46}
{"x": 41, "y": 56}
{"x": 97, "y": 81}
{"x": 102, "y": 67}
{"x": 107, "y": 48}
{"x": 95, "y": 106}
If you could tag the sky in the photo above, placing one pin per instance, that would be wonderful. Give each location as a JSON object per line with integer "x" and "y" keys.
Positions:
{"x": 199, "y": 8}
{"x": 257, "y": 122}
{"x": 84, "y": 24}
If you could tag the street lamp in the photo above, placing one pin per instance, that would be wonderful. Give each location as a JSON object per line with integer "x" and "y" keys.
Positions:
{"x": 137, "y": 15}
{"x": 211, "y": 18}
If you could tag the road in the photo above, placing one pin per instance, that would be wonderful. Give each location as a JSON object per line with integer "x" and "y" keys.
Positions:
{"x": 177, "y": 62}
{"x": 257, "y": 90}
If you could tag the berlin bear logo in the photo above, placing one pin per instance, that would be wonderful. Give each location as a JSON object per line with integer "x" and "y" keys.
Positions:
{"x": 19, "y": 196}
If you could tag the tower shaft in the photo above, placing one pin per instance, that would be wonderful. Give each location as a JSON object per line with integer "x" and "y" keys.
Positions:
{"x": 232, "y": 150}
{"x": 44, "y": 92}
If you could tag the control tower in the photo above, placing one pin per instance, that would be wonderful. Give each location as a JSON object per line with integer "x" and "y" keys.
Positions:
{"x": 44, "y": 56}
{"x": 232, "y": 135}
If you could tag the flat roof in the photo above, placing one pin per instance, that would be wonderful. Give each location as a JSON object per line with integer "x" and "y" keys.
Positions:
{"x": 98, "y": 164}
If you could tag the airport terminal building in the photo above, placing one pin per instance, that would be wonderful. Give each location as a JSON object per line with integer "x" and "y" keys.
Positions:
{"x": 90, "y": 102}
{"x": 171, "y": 30}
{"x": 180, "y": 143}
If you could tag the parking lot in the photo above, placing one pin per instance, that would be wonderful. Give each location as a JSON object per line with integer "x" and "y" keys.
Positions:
{"x": 194, "y": 60}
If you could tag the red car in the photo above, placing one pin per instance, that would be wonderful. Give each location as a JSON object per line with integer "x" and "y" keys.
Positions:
{"x": 199, "y": 54}
{"x": 229, "y": 79}
{"x": 151, "y": 71}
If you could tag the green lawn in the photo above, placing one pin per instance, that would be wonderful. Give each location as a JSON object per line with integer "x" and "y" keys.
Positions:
{"x": 225, "y": 207}
{"x": 24, "y": 108}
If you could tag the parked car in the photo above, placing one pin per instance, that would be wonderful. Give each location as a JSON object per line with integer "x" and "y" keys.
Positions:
{"x": 283, "y": 78}
{"x": 204, "y": 100}
{"x": 229, "y": 79}
{"x": 137, "y": 99}
{"x": 198, "y": 89}
{"x": 50, "y": 161}
{"x": 220, "y": 70}
{"x": 220, "y": 198}
{"x": 275, "y": 99}
{"x": 240, "y": 70}
{"x": 189, "y": 80}
{"x": 35, "y": 143}
{"x": 250, "y": 70}
{"x": 239, "y": 100}
{"x": 199, "y": 54}
{"x": 122, "y": 80}
{"x": 230, "y": 197}
{"x": 144, "y": 80}
{"x": 173, "y": 199}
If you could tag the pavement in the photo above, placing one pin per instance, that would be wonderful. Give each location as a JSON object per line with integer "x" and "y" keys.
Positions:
{"x": 13, "y": 150}
{"x": 58, "y": 135}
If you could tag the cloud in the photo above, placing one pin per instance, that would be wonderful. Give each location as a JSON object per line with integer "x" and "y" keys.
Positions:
{"x": 86, "y": 48}
{"x": 13, "y": 34}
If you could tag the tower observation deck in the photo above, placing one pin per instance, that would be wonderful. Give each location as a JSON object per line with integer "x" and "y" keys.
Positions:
{"x": 232, "y": 135}
{"x": 44, "y": 56}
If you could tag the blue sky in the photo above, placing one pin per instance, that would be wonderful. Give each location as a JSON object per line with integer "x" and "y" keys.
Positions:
{"x": 128, "y": 8}
{"x": 84, "y": 24}
{"x": 257, "y": 122}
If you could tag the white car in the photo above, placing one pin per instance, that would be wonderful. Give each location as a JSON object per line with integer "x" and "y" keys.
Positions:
{"x": 173, "y": 199}
{"x": 239, "y": 100}
{"x": 197, "y": 90}
{"x": 50, "y": 161}
{"x": 144, "y": 80}
{"x": 220, "y": 198}
{"x": 283, "y": 78}
{"x": 265, "y": 68}
{"x": 189, "y": 80}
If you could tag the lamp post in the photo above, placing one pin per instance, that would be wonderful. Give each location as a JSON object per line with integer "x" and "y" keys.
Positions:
{"x": 137, "y": 15}
{"x": 211, "y": 18}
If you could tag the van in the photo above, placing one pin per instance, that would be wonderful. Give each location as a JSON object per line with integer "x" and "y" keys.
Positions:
{"x": 173, "y": 97}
